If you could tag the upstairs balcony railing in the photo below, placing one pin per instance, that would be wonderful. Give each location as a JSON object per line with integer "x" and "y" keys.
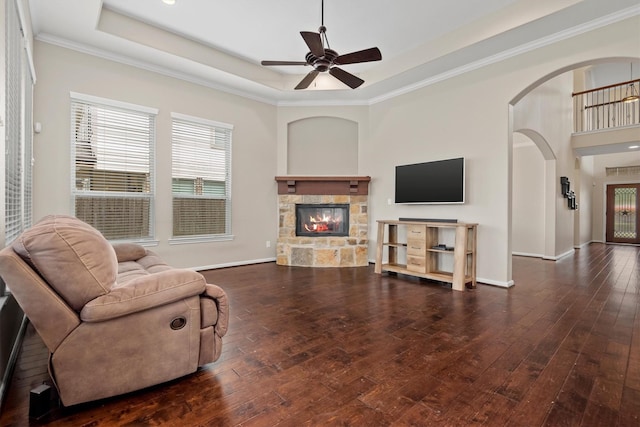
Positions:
{"x": 606, "y": 107}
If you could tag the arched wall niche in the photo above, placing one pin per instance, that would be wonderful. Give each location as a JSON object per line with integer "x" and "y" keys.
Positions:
{"x": 322, "y": 145}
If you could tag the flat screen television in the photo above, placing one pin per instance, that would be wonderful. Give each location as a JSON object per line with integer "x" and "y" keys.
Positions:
{"x": 440, "y": 181}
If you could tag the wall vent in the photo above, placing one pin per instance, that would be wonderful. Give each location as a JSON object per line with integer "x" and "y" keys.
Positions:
{"x": 623, "y": 171}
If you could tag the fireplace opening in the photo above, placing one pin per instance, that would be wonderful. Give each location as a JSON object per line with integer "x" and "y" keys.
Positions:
{"x": 322, "y": 220}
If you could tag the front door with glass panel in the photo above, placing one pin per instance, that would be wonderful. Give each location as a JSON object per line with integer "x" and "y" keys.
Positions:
{"x": 622, "y": 213}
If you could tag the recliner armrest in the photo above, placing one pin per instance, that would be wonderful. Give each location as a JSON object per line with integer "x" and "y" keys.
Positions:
{"x": 144, "y": 293}
{"x": 127, "y": 251}
{"x": 217, "y": 294}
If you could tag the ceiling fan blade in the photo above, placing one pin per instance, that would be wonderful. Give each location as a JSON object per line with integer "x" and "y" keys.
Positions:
{"x": 314, "y": 42}
{"x": 345, "y": 77}
{"x": 367, "y": 55}
{"x": 283, "y": 63}
{"x": 304, "y": 83}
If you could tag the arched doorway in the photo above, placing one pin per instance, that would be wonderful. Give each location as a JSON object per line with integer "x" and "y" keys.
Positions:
{"x": 561, "y": 224}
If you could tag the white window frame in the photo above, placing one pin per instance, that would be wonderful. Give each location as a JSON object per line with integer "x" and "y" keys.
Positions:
{"x": 111, "y": 104}
{"x": 228, "y": 130}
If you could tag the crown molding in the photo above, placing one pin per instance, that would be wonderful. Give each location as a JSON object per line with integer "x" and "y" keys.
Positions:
{"x": 280, "y": 102}
{"x": 510, "y": 53}
{"x": 122, "y": 59}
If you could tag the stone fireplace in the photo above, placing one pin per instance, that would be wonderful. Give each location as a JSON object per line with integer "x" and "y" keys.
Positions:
{"x": 323, "y": 221}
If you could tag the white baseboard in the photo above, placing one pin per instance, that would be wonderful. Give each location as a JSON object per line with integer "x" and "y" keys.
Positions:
{"x": 491, "y": 282}
{"x": 498, "y": 283}
{"x": 556, "y": 258}
{"x": 584, "y": 244}
{"x": 232, "y": 264}
{"x": 527, "y": 254}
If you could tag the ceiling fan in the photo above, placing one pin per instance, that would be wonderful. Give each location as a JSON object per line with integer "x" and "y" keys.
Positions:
{"x": 323, "y": 58}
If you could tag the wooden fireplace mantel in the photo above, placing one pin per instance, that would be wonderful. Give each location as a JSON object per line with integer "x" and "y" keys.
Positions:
{"x": 321, "y": 185}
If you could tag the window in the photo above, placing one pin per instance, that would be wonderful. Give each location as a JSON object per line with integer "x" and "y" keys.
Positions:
{"x": 113, "y": 175}
{"x": 201, "y": 177}
{"x": 18, "y": 78}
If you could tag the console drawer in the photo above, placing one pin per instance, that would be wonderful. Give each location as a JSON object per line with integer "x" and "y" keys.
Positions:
{"x": 416, "y": 263}
{"x": 416, "y": 247}
{"x": 416, "y": 232}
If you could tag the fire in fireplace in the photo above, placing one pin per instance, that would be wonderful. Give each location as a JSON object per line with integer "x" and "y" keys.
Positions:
{"x": 322, "y": 220}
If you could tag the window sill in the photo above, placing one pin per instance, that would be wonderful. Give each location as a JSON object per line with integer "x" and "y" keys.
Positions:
{"x": 146, "y": 243}
{"x": 200, "y": 239}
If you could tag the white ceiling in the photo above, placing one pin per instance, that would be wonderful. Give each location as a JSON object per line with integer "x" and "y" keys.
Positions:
{"x": 221, "y": 43}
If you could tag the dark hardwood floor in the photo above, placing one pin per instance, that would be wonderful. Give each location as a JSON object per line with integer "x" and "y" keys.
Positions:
{"x": 347, "y": 347}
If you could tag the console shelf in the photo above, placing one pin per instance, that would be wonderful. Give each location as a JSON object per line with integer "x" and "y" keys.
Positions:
{"x": 422, "y": 259}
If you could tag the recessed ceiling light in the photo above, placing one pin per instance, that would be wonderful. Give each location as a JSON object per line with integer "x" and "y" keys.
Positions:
{"x": 633, "y": 147}
{"x": 171, "y": 2}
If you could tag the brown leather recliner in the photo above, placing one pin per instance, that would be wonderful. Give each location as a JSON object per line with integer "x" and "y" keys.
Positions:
{"x": 115, "y": 318}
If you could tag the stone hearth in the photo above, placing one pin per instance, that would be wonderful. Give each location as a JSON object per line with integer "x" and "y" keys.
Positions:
{"x": 323, "y": 251}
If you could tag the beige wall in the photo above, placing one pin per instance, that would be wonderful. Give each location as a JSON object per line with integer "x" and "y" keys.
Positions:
{"x": 254, "y": 217}
{"x": 463, "y": 116}
{"x": 469, "y": 115}
{"x": 439, "y": 122}
{"x": 584, "y": 193}
{"x": 528, "y": 201}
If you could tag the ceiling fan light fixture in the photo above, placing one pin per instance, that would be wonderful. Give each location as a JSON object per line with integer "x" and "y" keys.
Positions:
{"x": 631, "y": 95}
{"x": 323, "y": 59}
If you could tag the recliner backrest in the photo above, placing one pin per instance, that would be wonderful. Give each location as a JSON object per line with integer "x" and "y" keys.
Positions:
{"x": 49, "y": 314}
{"x": 71, "y": 256}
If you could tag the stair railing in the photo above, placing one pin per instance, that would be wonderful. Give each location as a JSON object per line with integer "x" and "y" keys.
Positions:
{"x": 607, "y": 107}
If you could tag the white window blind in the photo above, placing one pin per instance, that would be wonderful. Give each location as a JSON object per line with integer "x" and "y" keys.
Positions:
{"x": 13, "y": 131}
{"x": 201, "y": 176}
{"x": 18, "y": 136}
{"x": 113, "y": 164}
{"x": 28, "y": 159}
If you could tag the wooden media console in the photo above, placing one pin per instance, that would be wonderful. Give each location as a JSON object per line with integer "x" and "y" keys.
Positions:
{"x": 424, "y": 251}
